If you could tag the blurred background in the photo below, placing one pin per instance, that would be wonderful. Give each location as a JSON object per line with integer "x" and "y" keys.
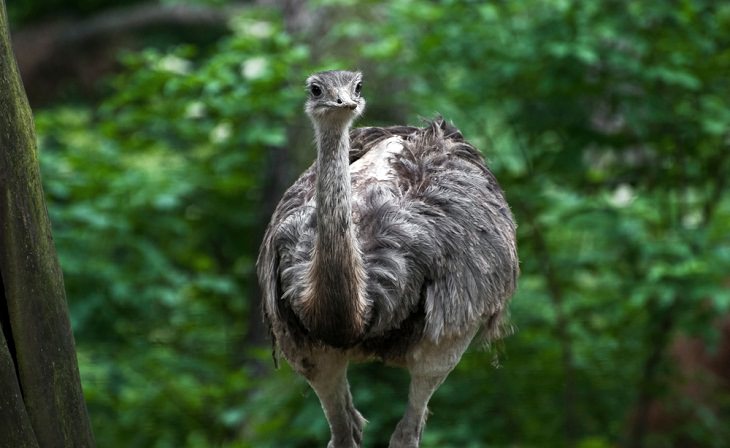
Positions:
{"x": 168, "y": 131}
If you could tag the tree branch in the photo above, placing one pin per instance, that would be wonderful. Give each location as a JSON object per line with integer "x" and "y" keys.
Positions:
{"x": 555, "y": 292}
{"x": 82, "y": 50}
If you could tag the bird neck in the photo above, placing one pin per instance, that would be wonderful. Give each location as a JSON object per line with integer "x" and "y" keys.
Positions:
{"x": 334, "y": 190}
{"x": 339, "y": 305}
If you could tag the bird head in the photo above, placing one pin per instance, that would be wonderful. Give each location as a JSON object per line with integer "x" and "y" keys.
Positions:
{"x": 334, "y": 97}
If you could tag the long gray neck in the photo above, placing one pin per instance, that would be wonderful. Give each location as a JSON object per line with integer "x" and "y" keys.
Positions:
{"x": 338, "y": 312}
{"x": 334, "y": 190}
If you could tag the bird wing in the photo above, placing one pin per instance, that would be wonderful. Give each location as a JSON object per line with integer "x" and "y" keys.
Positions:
{"x": 439, "y": 238}
{"x": 364, "y": 139}
{"x": 437, "y": 235}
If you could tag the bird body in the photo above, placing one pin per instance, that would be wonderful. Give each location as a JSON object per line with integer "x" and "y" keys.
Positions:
{"x": 396, "y": 244}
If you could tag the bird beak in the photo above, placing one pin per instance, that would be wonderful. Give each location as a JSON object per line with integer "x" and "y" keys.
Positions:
{"x": 345, "y": 101}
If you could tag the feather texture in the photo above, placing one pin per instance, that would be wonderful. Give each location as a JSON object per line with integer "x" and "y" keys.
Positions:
{"x": 436, "y": 239}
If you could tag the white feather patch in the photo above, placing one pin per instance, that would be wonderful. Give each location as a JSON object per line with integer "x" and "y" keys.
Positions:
{"x": 376, "y": 163}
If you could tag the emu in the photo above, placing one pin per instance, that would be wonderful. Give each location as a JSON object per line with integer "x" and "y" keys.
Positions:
{"x": 396, "y": 245}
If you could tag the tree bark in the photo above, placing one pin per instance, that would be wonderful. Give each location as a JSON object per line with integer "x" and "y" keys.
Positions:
{"x": 41, "y": 403}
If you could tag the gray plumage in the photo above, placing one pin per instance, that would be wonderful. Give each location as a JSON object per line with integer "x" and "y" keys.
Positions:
{"x": 396, "y": 244}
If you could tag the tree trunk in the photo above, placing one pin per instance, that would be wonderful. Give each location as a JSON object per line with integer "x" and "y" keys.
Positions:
{"x": 41, "y": 403}
{"x": 659, "y": 330}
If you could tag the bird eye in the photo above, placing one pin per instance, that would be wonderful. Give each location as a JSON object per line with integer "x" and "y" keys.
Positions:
{"x": 315, "y": 90}
{"x": 358, "y": 88}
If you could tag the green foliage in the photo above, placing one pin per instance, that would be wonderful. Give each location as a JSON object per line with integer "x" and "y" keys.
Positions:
{"x": 607, "y": 124}
{"x": 154, "y": 201}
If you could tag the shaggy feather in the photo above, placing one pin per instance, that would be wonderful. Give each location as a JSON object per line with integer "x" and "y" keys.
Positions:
{"x": 436, "y": 240}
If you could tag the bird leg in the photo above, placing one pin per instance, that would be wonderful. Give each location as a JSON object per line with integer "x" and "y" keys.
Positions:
{"x": 408, "y": 432}
{"x": 429, "y": 365}
{"x": 328, "y": 377}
